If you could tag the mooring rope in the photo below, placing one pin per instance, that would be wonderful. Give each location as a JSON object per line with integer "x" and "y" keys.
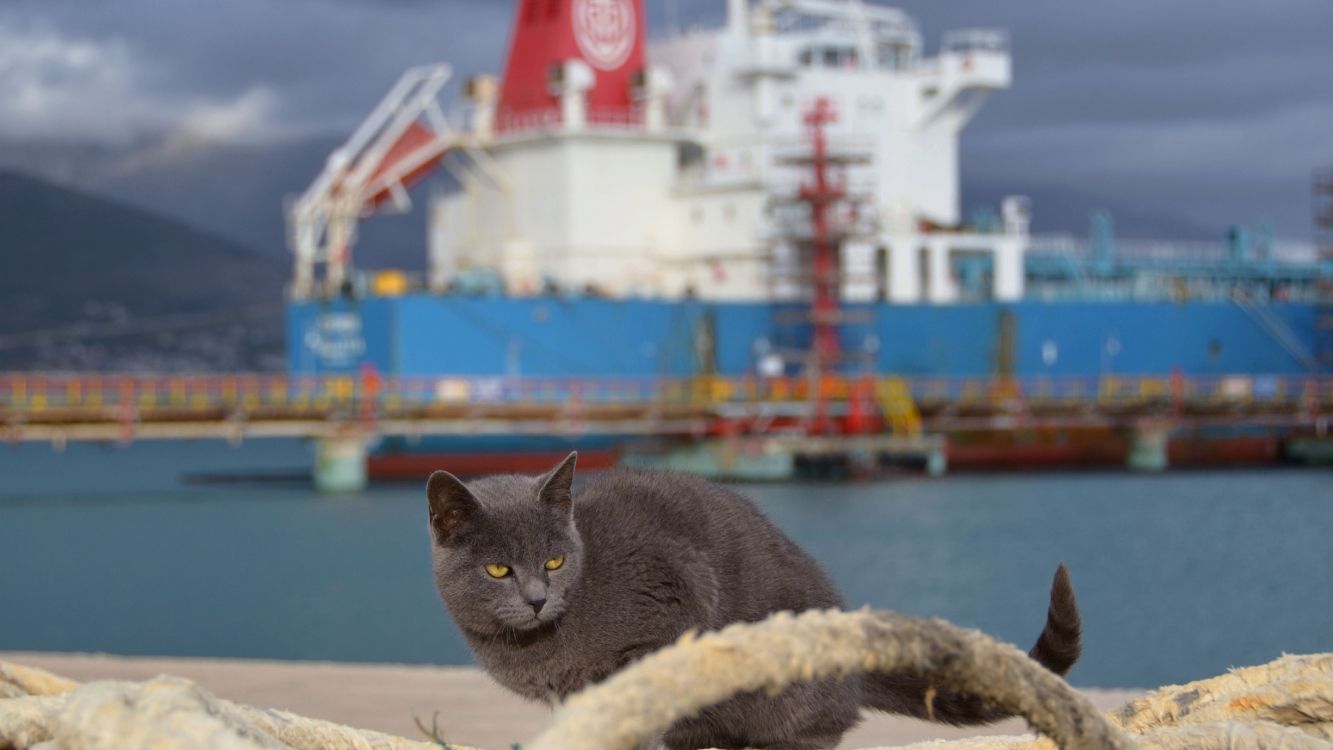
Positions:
{"x": 1284, "y": 705}
{"x": 642, "y": 701}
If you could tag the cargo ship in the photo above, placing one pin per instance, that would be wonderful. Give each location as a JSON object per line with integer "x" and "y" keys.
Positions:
{"x": 771, "y": 198}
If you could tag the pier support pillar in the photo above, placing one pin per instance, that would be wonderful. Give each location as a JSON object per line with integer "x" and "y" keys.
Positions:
{"x": 1148, "y": 448}
{"x": 340, "y": 464}
{"x": 937, "y": 462}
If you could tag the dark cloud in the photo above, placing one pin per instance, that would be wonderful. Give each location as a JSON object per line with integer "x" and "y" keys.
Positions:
{"x": 1216, "y": 111}
{"x": 326, "y": 60}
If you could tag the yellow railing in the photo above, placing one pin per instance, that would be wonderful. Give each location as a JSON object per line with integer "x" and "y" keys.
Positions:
{"x": 898, "y": 399}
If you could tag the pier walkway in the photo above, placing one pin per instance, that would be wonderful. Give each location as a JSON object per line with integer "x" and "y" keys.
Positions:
{"x": 58, "y": 408}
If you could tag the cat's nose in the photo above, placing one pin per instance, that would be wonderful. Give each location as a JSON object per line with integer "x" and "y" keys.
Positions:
{"x": 536, "y": 605}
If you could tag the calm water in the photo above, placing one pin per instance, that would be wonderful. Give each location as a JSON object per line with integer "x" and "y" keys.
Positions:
{"x": 1179, "y": 576}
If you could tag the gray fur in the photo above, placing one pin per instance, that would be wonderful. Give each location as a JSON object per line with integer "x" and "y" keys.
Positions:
{"x": 648, "y": 555}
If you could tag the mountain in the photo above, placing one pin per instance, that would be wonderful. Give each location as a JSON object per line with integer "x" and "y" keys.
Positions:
{"x": 94, "y": 283}
{"x": 234, "y": 190}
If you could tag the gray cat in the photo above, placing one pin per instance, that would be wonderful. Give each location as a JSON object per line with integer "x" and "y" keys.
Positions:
{"x": 554, "y": 592}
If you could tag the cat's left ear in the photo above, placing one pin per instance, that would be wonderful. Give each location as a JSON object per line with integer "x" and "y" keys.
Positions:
{"x": 555, "y": 490}
{"x": 451, "y": 504}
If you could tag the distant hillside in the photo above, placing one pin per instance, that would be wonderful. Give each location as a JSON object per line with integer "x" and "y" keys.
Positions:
{"x": 239, "y": 191}
{"x": 236, "y": 191}
{"x": 91, "y": 283}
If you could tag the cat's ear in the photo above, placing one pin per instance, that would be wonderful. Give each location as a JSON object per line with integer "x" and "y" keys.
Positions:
{"x": 451, "y": 503}
{"x": 556, "y": 484}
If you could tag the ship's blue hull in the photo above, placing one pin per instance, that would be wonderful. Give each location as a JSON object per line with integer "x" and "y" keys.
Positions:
{"x": 428, "y": 335}
{"x": 431, "y": 336}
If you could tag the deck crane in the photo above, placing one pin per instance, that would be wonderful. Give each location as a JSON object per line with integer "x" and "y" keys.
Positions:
{"x": 404, "y": 139}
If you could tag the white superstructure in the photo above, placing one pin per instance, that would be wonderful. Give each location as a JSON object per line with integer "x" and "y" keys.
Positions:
{"x": 744, "y": 89}
{"x": 606, "y": 164}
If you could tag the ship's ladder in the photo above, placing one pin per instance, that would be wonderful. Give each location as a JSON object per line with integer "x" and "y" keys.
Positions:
{"x": 898, "y": 406}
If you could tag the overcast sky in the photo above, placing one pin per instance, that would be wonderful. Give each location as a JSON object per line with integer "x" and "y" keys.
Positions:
{"x": 1211, "y": 109}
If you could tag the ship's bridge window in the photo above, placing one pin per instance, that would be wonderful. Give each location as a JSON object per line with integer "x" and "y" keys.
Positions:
{"x": 839, "y": 57}
{"x": 893, "y": 57}
{"x": 829, "y": 57}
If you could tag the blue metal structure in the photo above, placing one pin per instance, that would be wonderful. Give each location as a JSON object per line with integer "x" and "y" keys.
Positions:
{"x": 421, "y": 334}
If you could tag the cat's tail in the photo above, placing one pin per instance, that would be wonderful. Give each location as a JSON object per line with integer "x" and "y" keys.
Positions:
{"x": 1057, "y": 648}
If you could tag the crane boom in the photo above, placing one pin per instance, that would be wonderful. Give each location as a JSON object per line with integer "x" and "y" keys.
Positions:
{"x": 399, "y": 143}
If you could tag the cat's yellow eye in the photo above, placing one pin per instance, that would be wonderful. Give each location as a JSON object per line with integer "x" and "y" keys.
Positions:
{"x": 555, "y": 562}
{"x": 496, "y": 570}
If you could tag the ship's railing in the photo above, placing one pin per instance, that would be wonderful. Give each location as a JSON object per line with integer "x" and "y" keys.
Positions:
{"x": 545, "y": 119}
{"x": 839, "y": 147}
{"x": 627, "y": 119}
{"x": 1284, "y": 252}
{"x": 806, "y": 16}
{"x": 1067, "y": 267}
{"x": 550, "y": 119}
{"x": 963, "y": 41}
{"x": 790, "y": 224}
{"x": 221, "y": 397}
{"x": 788, "y": 187}
{"x": 1166, "y": 289}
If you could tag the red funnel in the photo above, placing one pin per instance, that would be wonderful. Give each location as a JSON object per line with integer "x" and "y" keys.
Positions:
{"x": 606, "y": 34}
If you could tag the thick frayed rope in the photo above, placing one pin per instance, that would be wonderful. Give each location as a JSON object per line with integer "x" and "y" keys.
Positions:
{"x": 17, "y": 680}
{"x": 1284, "y": 705}
{"x": 642, "y": 701}
{"x": 1294, "y": 691}
{"x": 171, "y": 712}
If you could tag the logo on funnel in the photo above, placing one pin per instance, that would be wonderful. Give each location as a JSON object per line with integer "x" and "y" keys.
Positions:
{"x": 605, "y": 31}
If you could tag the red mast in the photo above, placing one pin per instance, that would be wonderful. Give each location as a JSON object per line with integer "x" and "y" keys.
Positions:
{"x": 826, "y": 276}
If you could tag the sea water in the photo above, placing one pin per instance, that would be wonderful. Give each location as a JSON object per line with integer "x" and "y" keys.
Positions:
{"x": 1179, "y": 576}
